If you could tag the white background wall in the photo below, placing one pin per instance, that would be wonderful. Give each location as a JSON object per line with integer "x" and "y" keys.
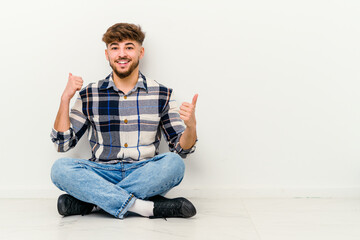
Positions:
{"x": 278, "y": 82}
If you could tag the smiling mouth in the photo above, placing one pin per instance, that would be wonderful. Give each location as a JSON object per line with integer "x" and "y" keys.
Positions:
{"x": 123, "y": 62}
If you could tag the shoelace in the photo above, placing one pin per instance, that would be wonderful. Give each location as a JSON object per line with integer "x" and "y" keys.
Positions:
{"x": 169, "y": 209}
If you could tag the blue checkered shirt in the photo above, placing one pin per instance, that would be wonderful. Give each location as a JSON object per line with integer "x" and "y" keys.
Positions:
{"x": 123, "y": 127}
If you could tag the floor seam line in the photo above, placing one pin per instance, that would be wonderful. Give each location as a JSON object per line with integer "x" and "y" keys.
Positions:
{"x": 251, "y": 220}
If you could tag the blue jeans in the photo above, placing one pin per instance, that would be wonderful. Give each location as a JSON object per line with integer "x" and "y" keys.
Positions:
{"x": 115, "y": 187}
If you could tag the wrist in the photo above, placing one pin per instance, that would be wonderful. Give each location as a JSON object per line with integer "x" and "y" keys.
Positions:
{"x": 191, "y": 128}
{"x": 65, "y": 98}
{"x": 191, "y": 125}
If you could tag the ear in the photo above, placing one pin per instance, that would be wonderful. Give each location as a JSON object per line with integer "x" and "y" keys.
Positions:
{"x": 106, "y": 54}
{"x": 142, "y": 52}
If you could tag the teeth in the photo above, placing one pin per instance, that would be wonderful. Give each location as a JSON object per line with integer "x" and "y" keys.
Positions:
{"x": 122, "y": 62}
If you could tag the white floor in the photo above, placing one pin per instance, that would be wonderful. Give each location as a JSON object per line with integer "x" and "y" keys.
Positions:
{"x": 255, "y": 219}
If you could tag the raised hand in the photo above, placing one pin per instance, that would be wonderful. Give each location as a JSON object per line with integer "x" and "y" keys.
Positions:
{"x": 187, "y": 112}
{"x": 74, "y": 84}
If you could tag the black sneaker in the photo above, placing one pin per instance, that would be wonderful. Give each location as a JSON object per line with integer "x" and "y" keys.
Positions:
{"x": 67, "y": 205}
{"x": 177, "y": 207}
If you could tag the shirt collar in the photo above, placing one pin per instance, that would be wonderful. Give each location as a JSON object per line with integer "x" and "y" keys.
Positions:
{"x": 108, "y": 82}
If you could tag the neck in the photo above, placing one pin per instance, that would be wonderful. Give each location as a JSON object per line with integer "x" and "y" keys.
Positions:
{"x": 128, "y": 83}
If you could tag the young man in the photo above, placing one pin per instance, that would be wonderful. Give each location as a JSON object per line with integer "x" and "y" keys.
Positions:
{"x": 124, "y": 114}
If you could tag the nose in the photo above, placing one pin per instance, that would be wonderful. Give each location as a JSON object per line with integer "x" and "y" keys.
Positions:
{"x": 122, "y": 53}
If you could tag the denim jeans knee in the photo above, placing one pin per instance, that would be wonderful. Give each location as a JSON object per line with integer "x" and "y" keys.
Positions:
{"x": 59, "y": 170}
{"x": 171, "y": 172}
{"x": 174, "y": 164}
{"x": 158, "y": 176}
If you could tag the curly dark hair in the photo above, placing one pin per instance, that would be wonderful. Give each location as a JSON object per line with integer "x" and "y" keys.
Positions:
{"x": 123, "y": 31}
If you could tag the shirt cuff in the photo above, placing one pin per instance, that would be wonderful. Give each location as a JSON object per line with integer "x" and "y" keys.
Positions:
{"x": 184, "y": 152}
{"x": 61, "y": 137}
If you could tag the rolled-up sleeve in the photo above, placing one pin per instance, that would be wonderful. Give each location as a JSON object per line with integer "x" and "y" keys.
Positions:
{"x": 173, "y": 127}
{"x": 64, "y": 141}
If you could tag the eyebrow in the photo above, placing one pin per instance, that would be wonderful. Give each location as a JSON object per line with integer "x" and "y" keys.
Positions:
{"x": 116, "y": 44}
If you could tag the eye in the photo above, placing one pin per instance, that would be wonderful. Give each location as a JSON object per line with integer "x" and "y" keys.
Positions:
{"x": 129, "y": 48}
{"x": 114, "y": 48}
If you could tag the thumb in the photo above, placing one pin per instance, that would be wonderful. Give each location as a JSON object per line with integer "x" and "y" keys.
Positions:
{"x": 195, "y": 99}
{"x": 70, "y": 75}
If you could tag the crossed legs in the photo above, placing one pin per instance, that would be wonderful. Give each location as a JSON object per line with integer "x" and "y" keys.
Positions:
{"x": 115, "y": 187}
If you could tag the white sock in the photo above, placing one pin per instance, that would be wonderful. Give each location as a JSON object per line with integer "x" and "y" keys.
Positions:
{"x": 143, "y": 208}
{"x": 95, "y": 209}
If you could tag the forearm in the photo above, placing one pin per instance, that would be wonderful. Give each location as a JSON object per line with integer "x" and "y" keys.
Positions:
{"x": 62, "y": 121}
{"x": 188, "y": 138}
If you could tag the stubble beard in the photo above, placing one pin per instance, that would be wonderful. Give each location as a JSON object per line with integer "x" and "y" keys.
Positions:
{"x": 127, "y": 73}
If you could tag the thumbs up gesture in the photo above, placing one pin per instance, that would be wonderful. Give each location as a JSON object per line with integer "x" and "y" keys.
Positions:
{"x": 74, "y": 84}
{"x": 187, "y": 112}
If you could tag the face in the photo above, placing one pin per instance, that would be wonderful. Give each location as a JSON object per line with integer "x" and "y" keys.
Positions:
{"x": 124, "y": 57}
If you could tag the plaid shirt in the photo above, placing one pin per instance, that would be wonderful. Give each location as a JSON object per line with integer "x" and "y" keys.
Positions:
{"x": 123, "y": 127}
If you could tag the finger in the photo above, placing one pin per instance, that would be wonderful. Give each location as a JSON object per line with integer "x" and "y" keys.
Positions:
{"x": 78, "y": 82}
{"x": 184, "y": 114}
{"x": 186, "y": 104}
{"x": 182, "y": 117}
{"x": 188, "y": 109}
{"x": 78, "y": 85}
{"x": 195, "y": 99}
{"x": 185, "y": 119}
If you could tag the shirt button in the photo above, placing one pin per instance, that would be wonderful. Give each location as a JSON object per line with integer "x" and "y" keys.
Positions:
{"x": 125, "y": 121}
{"x": 125, "y": 97}
{"x": 126, "y": 145}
